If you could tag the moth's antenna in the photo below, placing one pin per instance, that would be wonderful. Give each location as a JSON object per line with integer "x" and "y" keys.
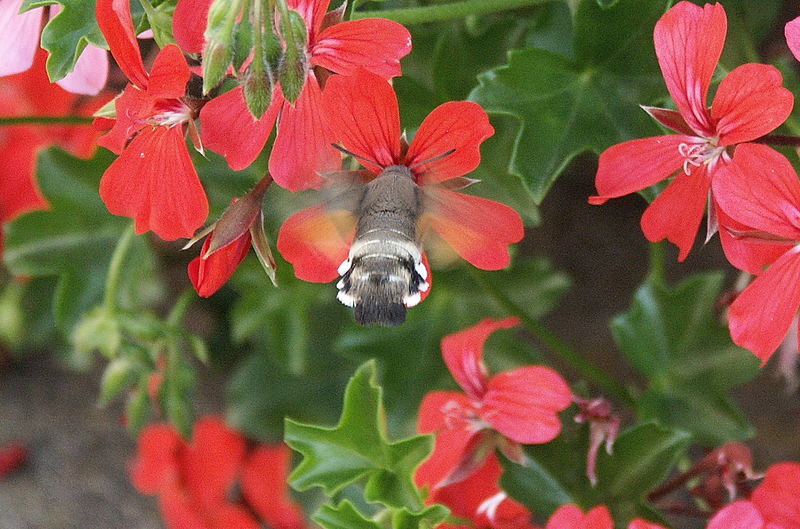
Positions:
{"x": 435, "y": 158}
{"x": 354, "y": 155}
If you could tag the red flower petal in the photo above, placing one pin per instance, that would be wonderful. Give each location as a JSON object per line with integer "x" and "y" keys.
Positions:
{"x": 302, "y": 147}
{"x": 209, "y": 274}
{"x": 211, "y": 462}
{"x": 792, "y": 33}
{"x": 156, "y": 462}
{"x": 189, "y": 24}
{"x": 463, "y": 354}
{"x": 744, "y": 252}
{"x": 777, "y": 496}
{"x": 439, "y": 413}
{"x": 760, "y": 316}
{"x": 234, "y": 516}
{"x": 116, "y": 23}
{"x": 154, "y": 182}
{"x": 738, "y": 515}
{"x": 314, "y": 244}
{"x": 571, "y": 517}
{"x": 760, "y": 189}
{"x": 676, "y": 213}
{"x": 637, "y": 164}
{"x": 376, "y": 44}
{"x": 689, "y": 41}
{"x": 133, "y": 108}
{"x": 749, "y": 103}
{"x": 21, "y": 194}
{"x": 19, "y": 36}
{"x": 169, "y": 74}
{"x": 362, "y": 112}
{"x": 479, "y": 230}
{"x": 456, "y": 125}
{"x": 264, "y": 479}
{"x": 179, "y": 511}
{"x": 523, "y": 404}
{"x": 229, "y": 129}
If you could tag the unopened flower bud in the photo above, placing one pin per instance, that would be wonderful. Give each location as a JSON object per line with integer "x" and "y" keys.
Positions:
{"x": 218, "y": 52}
{"x": 116, "y": 377}
{"x": 257, "y": 93}
{"x": 294, "y": 68}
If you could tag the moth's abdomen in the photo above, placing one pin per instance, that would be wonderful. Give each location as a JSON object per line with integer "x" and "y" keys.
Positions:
{"x": 383, "y": 273}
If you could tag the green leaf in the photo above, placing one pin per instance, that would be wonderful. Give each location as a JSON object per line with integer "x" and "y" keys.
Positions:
{"x": 673, "y": 338}
{"x": 357, "y": 449}
{"x": 553, "y": 475}
{"x": 565, "y": 106}
{"x": 343, "y": 516}
{"x": 75, "y": 238}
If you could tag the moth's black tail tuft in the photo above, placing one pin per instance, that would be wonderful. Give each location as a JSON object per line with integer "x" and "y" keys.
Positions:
{"x": 372, "y": 311}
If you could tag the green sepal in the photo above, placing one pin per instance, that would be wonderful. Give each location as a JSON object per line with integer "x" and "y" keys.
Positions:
{"x": 257, "y": 92}
{"x": 357, "y": 449}
{"x": 219, "y": 36}
{"x": 292, "y": 75}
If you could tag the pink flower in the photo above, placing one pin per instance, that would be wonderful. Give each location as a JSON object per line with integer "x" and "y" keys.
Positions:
{"x": 19, "y": 41}
{"x": 363, "y": 113}
{"x": 760, "y": 192}
{"x": 302, "y": 146}
{"x": 749, "y": 103}
{"x": 521, "y": 405}
{"x": 774, "y": 504}
{"x": 153, "y": 181}
{"x": 571, "y": 517}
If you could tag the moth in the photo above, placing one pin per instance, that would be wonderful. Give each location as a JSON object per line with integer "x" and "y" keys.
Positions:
{"x": 384, "y": 273}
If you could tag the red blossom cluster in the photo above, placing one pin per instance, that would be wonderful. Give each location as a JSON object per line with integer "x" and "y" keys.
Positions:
{"x": 506, "y": 410}
{"x": 751, "y": 190}
{"x": 196, "y": 481}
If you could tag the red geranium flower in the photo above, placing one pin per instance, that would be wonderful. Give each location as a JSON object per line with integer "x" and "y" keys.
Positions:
{"x": 749, "y": 103}
{"x": 572, "y": 517}
{"x": 521, "y": 405}
{"x": 774, "y": 504}
{"x": 193, "y": 481}
{"x": 25, "y": 94}
{"x": 761, "y": 193}
{"x": 153, "y": 181}
{"x": 480, "y": 500}
{"x": 303, "y": 144}
{"x": 363, "y": 112}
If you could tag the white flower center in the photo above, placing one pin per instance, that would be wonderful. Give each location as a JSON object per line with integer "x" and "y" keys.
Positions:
{"x": 706, "y": 152}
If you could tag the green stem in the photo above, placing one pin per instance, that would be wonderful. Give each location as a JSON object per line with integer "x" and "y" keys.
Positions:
{"x": 657, "y": 263}
{"x": 555, "y": 344}
{"x": 45, "y": 120}
{"x": 179, "y": 308}
{"x": 434, "y": 13}
{"x": 115, "y": 269}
